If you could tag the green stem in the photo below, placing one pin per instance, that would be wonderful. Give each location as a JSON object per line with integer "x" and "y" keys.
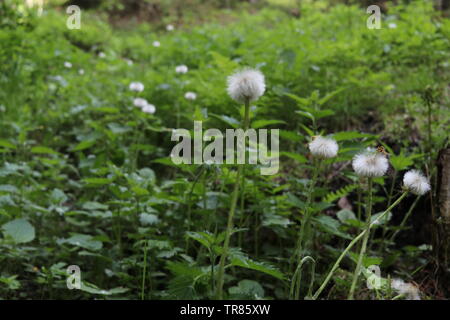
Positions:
{"x": 364, "y": 244}
{"x": 297, "y": 277}
{"x": 299, "y": 247}
{"x": 352, "y": 243}
{"x": 144, "y": 272}
{"x": 223, "y": 257}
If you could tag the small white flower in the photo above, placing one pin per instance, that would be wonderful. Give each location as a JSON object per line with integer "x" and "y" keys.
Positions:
{"x": 149, "y": 108}
{"x": 136, "y": 86}
{"x": 392, "y": 25}
{"x": 81, "y": 71}
{"x": 129, "y": 62}
{"x": 140, "y": 102}
{"x": 370, "y": 164}
{"x": 323, "y": 147}
{"x": 247, "y": 84}
{"x": 415, "y": 182}
{"x": 67, "y": 65}
{"x": 101, "y": 55}
{"x": 410, "y": 291}
{"x": 190, "y": 95}
{"x": 156, "y": 44}
{"x": 181, "y": 69}
{"x": 170, "y": 27}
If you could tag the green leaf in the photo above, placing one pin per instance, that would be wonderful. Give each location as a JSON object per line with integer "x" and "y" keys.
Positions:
{"x": 20, "y": 230}
{"x": 6, "y": 144}
{"x": 247, "y": 289}
{"x": 401, "y": 162}
{"x": 97, "y": 182}
{"x": 245, "y": 262}
{"x": 350, "y": 135}
{"x": 43, "y": 150}
{"x": 263, "y": 123}
{"x": 84, "y": 145}
{"x": 330, "y": 225}
{"x": 300, "y": 101}
{"x": 91, "y": 288}
{"x": 228, "y": 120}
{"x": 83, "y": 241}
{"x": 295, "y": 156}
{"x": 383, "y": 220}
{"x": 305, "y": 114}
{"x": 344, "y": 215}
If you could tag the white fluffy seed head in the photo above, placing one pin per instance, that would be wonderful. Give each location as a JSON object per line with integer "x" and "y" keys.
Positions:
{"x": 323, "y": 147}
{"x": 190, "y": 95}
{"x": 149, "y": 108}
{"x": 170, "y": 27}
{"x": 370, "y": 164}
{"x": 156, "y": 44}
{"x": 67, "y": 64}
{"x": 136, "y": 86}
{"x": 415, "y": 182}
{"x": 247, "y": 84}
{"x": 181, "y": 69}
{"x": 410, "y": 291}
{"x": 140, "y": 102}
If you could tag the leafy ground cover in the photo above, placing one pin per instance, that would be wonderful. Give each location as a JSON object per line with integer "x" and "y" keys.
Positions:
{"x": 86, "y": 178}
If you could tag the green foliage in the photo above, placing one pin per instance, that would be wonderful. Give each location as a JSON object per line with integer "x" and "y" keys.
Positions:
{"x": 86, "y": 178}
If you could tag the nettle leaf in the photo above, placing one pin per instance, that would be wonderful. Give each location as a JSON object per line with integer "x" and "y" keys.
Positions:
{"x": 91, "y": 288}
{"x": 401, "y": 162}
{"x": 238, "y": 259}
{"x": 6, "y": 144}
{"x": 295, "y": 156}
{"x": 97, "y": 182}
{"x": 148, "y": 219}
{"x": 350, "y": 135}
{"x": 84, "y": 145}
{"x": 43, "y": 150}
{"x": 383, "y": 220}
{"x": 272, "y": 219}
{"x": 19, "y": 230}
{"x": 228, "y": 120}
{"x": 263, "y": 123}
{"x": 344, "y": 215}
{"x": 330, "y": 225}
{"x": 83, "y": 241}
{"x": 247, "y": 289}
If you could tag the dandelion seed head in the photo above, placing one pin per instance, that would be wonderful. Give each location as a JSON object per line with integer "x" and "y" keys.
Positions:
{"x": 170, "y": 27}
{"x": 140, "y": 102}
{"x": 190, "y": 95}
{"x": 247, "y": 84}
{"x": 81, "y": 71}
{"x": 67, "y": 64}
{"x": 323, "y": 147}
{"x": 101, "y": 55}
{"x": 370, "y": 164}
{"x": 149, "y": 108}
{"x": 156, "y": 44}
{"x": 410, "y": 291}
{"x": 181, "y": 69}
{"x": 392, "y": 25}
{"x": 415, "y": 182}
{"x": 136, "y": 86}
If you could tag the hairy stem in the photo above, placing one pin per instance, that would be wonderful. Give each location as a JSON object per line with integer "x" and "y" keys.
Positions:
{"x": 223, "y": 257}
{"x": 364, "y": 244}
{"x": 352, "y": 243}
